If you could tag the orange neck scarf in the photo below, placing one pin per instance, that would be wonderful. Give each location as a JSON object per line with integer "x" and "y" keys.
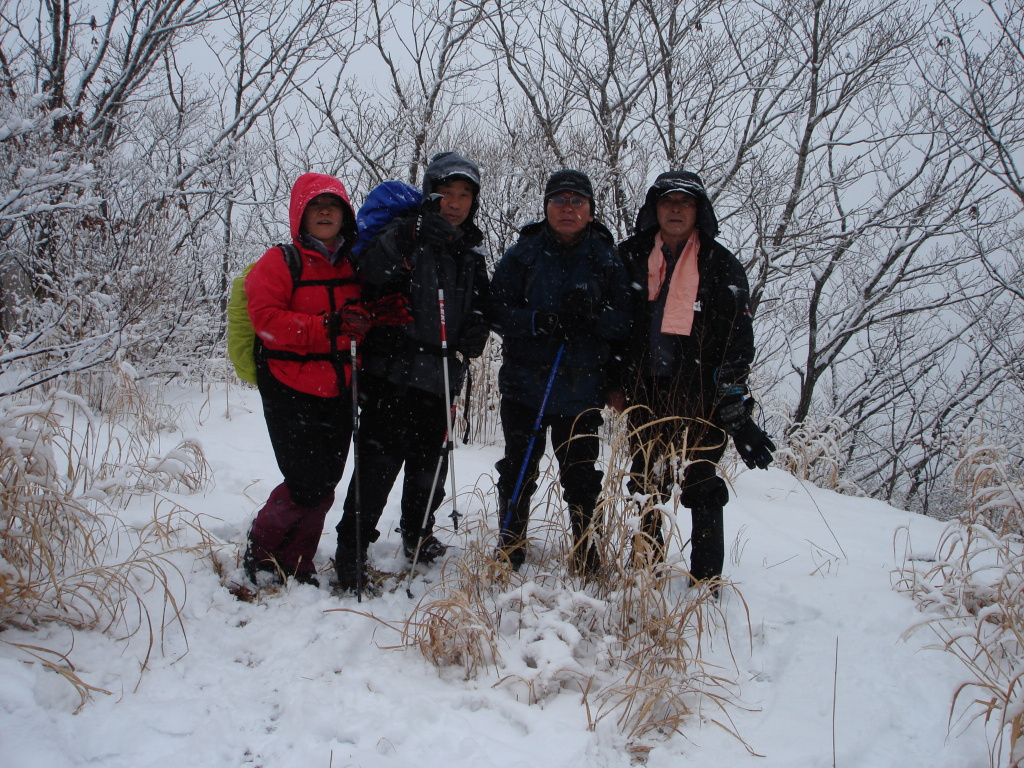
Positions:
{"x": 682, "y": 288}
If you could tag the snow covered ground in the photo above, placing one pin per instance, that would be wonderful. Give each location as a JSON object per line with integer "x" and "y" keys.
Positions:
{"x": 825, "y": 674}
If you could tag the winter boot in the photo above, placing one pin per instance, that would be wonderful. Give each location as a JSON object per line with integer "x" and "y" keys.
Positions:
{"x": 272, "y": 534}
{"x": 307, "y": 577}
{"x": 350, "y": 566}
{"x": 254, "y": 565}
{"x": 299, "y": 550}
{"x": 512, "y": 545}
{"x": 707, "y": 543}
{"x": 430, "y": 549}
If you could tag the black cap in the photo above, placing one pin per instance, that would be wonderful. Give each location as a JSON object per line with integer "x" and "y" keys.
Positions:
{"x": 450, "y": 166}
{"x": 686, "y": 182}
{"x": 571, "y": 181}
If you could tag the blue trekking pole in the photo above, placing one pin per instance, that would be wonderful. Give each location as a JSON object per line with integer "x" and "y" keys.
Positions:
{"x": 533, "y": 440}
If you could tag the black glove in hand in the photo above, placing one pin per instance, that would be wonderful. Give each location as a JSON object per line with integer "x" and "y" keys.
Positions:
{"x": 392, "y": 309}
{"x": 473, "y": 339}
{"x": 544, "y": 323}
{"x": 351, "y": 320}
{"x": 733, "y": 412}
{"x": 405, "y": 234}
{"x": 434, "y": 230}
{"x": 753, "y": 445}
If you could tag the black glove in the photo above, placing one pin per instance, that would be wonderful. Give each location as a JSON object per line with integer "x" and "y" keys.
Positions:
{"x": 473, "y": 338}
{"x": 405, "y": 234}
{"x": 389, "y": 310}
{"x": 753, "y": 445}
{"x": 544, "y": 323}
{"x": 435, "y": 231}
{"x": 733, "y": 412}
{"x": 576, "y": 315}
{"x": 428, "y": 228}
{"x": 351, "y": 320}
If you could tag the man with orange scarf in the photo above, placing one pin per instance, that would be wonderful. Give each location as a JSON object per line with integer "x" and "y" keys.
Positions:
{"x": 691, "y": 351}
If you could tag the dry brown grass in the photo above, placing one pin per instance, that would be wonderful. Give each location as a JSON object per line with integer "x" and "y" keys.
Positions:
{"x": 634, "y": 640}
{"x": 66, "y": 557}
{"x": 974, "y": 590}
{"x": 452, "y": 624}
{"x": 814, "y": 450}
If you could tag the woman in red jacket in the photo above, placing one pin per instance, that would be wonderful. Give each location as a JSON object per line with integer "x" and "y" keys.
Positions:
{"x": 305, "y": 308}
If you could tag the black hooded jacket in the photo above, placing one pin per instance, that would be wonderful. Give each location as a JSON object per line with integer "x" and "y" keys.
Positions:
{"x": 410, "y": 355}
{"x": 535, "y": 275}
{"x": 720, "y": 348}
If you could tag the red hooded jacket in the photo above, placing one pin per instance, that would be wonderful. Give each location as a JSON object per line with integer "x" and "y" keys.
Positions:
{"x": 290, "y": 318}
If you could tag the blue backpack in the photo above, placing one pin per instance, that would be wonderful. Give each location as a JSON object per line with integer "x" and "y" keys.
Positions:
{"x": 385, "y": 201}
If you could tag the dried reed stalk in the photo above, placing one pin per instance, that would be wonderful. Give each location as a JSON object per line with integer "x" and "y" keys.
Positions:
{"x": 637, "y": 640}
{"x": 66, "y": 556}
{"x": 976, "y": 585}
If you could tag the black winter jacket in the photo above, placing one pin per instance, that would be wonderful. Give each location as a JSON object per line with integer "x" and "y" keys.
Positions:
{"x": 720, "y": 349}
{"x": 533, "y": 276}
{"x": 410, "y": 355}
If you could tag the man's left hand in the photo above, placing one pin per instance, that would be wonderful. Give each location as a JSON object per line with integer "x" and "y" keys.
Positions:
{"x": 753, "y": 445}
{"x": 732, "y": 412}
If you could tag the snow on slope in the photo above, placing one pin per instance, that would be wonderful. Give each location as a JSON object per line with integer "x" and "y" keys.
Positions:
{"x": 293, "y": 681}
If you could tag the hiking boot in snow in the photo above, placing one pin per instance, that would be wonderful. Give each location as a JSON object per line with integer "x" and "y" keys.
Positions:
{"x": 351, "y": 578}
{"x": 585, "y": 560}
{"x": 307, "y": 577}
{"x": 513, "y": 553}
{"x": 512, "y": 546}
{"x": 430, "y": 550}
{"x": 254, "y": 566}
{"x": 711, "y": 587}
{"x": 347, "y": 564}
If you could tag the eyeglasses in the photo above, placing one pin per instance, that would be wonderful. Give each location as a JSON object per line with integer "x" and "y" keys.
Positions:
{"x": 575, "y": 202}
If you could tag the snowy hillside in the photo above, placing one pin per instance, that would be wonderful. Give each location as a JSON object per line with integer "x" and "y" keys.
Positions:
{"x": 810, "y": 645}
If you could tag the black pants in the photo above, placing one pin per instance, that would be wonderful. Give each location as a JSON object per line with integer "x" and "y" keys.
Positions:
{"x": 577, "y": 448}
{"x": 667, "y": 431}
{"x": 398, "y": 427}
{"x": 310, "y": 436}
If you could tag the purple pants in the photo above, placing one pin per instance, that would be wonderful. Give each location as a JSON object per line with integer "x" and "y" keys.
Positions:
{"x": 288, "y": 534}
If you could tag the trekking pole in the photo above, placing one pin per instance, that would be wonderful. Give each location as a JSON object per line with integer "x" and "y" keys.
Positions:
{"x": 426, "y": 512}
{"x": 446, "y": 448}
{"x": 533, "y": 439}
{"x": 449, "y": 445}
{"x": 360, "y": 555}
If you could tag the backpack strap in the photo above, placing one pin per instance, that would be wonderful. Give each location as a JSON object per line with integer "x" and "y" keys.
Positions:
{"x": 293, "y": 259}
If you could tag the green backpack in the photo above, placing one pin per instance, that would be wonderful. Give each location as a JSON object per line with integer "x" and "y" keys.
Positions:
{"x": 241, "y": 335}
